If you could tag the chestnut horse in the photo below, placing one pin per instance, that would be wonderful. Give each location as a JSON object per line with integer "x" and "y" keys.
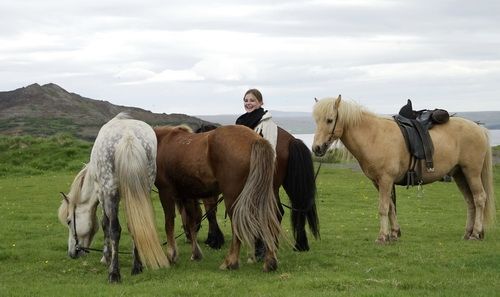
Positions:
{"x": 232, "y": 160}
{"x": 295, "y": 172}
{"x": 461, "y": 149}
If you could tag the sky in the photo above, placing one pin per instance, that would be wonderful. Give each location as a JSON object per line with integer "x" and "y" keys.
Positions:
{"x": 199, "y": 57}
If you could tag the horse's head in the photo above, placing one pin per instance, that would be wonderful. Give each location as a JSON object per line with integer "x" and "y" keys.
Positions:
{"x": 325, "y": 115}
{"x": 79, "y": 215}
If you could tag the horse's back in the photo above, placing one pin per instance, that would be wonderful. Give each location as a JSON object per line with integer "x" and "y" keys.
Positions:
{"x": 232, "y": 142}
{"x": 460, "y": 136}
{"x": 112, "y": 133}
{"x": 230, "y": 149}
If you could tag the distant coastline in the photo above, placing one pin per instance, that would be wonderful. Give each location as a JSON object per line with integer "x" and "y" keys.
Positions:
{"x": 308, "y": 138}
{"x": 303, "y": 123}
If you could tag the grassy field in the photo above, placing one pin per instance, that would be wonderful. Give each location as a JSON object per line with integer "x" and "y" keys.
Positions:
{"x": 430, "y": 259}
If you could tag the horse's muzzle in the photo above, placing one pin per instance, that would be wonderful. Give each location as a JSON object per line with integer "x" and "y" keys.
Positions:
{"x": 75, "y": 254}
{"x": 320, "y": 150}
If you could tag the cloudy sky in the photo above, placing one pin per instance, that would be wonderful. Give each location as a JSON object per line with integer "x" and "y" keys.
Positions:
{"x": 199, "y": 57}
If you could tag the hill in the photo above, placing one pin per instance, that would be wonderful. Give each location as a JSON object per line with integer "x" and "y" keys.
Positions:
{"x": 49, "y": 109}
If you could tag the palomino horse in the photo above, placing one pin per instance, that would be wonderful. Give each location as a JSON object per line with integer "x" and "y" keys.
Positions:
{"x": 461, "y": 149}
{"x": 232, "y": 160}
{"x": 122, "y": 166}
{"x": 295, "y": 172}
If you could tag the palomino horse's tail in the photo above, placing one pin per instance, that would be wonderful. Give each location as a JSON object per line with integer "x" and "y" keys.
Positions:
{"x": 255, "y": 211}
{"x": 134, "y": 185}
{"x": 487, "y": 180}
{"x": 300, "y": 186}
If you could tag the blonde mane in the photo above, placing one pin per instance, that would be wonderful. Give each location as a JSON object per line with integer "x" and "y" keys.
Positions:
{"x": 73, "y": 195}
{"x": 350, "y": 113}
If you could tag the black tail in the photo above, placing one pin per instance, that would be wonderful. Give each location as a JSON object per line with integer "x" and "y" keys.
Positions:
{"x": 300, "y": 187}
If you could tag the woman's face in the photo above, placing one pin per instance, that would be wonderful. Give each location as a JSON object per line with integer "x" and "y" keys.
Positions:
{"x": 251, "y": 103}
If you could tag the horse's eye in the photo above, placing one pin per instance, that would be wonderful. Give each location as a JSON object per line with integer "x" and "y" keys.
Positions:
{"x": 68, "y": 222}
{"x": 329, "y": 121}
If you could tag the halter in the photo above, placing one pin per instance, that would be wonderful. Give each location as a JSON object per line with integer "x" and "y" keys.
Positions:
{"x": 75, "y": 235}
{"x": 332, "y": 134}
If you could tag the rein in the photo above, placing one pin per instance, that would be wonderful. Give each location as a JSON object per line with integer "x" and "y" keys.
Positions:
{"x": 75, "y": 235}
{"x": 204, "y": 217}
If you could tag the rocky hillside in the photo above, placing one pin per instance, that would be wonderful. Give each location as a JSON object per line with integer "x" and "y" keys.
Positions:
{"x": 49, "y": 109}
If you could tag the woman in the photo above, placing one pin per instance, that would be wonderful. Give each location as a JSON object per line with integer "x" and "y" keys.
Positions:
{"x": 257, "y": 118}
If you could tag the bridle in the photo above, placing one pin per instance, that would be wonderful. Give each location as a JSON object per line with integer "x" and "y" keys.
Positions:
{"x": 332, "y": 134}
{"x": 75, "y": 235}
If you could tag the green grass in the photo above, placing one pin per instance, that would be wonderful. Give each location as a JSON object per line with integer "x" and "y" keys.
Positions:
{"x": 28, "y": 155}
{"x": 430, "y": 259}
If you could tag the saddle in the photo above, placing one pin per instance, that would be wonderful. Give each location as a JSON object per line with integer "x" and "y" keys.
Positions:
{"x": 415, "y": 126}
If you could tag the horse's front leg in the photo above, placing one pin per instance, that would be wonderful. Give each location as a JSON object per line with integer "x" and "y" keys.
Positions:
{"x": 384, "y": 192}
{"x": 168, "y": 204}
{"x": 111, "y": 209}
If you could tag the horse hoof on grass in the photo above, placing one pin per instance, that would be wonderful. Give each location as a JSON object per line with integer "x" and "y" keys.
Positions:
{"x": 271, "y": 265}
{"x": 114, "y": 278}
{"x": 382, "y": 240}
{"x": 229, "y": 266}
{"x": 301, "y": 248}
{"x": 136, "y": 270}
{"x": 196, "y": 257}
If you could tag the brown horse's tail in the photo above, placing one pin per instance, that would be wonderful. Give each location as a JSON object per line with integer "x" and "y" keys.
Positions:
{"x": 134, "y": 185}
{"x": 487, "y": 180}
{"x": 255, "y": 211}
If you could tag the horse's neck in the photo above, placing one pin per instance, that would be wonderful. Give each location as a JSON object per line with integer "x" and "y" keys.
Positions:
{"x": 357, "y": 138}
{"x": 87, "y": 194}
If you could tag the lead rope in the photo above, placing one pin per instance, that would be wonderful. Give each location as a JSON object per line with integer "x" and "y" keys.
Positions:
{"x": 75, "y": 235}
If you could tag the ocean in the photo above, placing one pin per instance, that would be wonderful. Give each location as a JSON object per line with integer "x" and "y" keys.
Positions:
{"x": 308, "y": 138}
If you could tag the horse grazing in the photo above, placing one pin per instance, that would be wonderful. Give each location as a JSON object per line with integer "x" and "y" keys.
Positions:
{"x": 295, "y": 172}
{"x": 122, "y": 166}
{"x": 461, "y": 149}
{"x": 232, "y": 160}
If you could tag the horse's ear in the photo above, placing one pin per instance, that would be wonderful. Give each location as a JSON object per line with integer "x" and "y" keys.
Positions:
{"x": 65, "y": 198}
{"x": 337, "y": 102}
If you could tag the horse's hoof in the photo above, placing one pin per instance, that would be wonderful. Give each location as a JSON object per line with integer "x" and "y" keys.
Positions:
{"x": 114, "y": 277}
{"x": 382, "y": 240}
{"x": 270, "y": 265}
{"x": 396, "y": 233}
{"x": 136, "y": 270}
{"x": 301, "y": 248}
{"x": 477, "y": 236}
{"x": 172, "y": 257}
{"x": 215, "y": 241}
{"x": 229, "y": 266}
{"x": 197, "y": 257}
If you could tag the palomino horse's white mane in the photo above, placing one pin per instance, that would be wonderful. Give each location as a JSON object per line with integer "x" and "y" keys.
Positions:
{"x": 74, "y": 194}
{"x": 349, "y": 111}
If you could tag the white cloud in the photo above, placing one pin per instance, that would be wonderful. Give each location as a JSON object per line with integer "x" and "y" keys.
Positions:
{"x": 152, "y": 53}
